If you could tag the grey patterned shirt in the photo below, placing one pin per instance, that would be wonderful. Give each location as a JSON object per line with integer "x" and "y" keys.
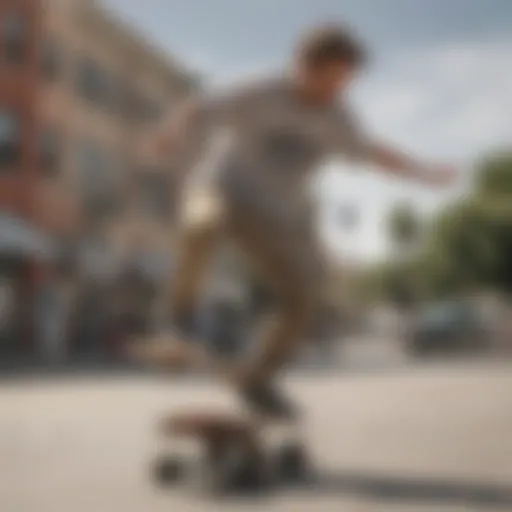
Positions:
{"x": 277, "y": 141}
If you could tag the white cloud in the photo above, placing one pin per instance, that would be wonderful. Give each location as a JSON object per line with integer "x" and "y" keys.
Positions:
{"x": 448, "y": 103}
{"x": 452, "y": 100}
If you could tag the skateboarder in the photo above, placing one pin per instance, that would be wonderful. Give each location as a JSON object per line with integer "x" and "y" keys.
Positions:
{"x": 279, "y": 131}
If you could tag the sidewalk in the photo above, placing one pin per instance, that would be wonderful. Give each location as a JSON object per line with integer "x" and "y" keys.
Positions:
{"x": 15, "y": 368}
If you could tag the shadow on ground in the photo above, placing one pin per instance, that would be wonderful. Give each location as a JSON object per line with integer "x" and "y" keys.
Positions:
{"x": 405, "y": 489}
{"x": 390, "y": 490}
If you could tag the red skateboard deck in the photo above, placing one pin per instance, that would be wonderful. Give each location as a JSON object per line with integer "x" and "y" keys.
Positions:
{"x": 212, "y": 427}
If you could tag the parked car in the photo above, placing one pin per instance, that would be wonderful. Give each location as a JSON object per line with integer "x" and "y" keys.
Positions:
{"x": 448, "y": 327}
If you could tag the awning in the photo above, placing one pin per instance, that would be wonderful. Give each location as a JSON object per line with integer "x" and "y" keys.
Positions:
{"x": 21, "y": 238}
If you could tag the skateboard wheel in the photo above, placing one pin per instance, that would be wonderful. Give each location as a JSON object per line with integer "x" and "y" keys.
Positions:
{"x": 234, "y": 471}
{"x": 247, "y": 476}
{"x": 292, "y": 463}
{"x": 168, "y": 470}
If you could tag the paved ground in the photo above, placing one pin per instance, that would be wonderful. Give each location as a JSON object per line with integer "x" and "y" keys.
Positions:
{"x": 419, "y": 440}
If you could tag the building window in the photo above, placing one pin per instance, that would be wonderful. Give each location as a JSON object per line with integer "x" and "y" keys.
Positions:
{"x": 91, "y": 168}
{"x": 50, "y": 151}
{"x": 10, "y": 138}
{"x": 98, "y": 176}
{"x": 92, "y": 82}
{"x": 155, "y": 194}
{"x": 13, "y": 33}
{"x": 51, "y": 60}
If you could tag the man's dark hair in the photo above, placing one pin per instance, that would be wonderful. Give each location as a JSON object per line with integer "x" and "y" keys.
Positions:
{"x": 329, "y": 43}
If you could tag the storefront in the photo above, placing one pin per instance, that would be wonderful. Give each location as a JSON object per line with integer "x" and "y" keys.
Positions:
{"x": 90, "y": 337}
{"x": 25, "y": 255}
{"x": 116, "y": 301}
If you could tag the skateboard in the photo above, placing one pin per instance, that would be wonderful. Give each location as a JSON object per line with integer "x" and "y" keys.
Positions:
{"x": 243, "y": 452}
{"x": 232, "y": 453}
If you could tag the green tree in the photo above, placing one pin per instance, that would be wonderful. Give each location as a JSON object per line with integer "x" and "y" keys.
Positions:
{"x": 470, "y": 241}
{"x": 494, "y": 176}
{"x": 404, "y": 226}
{"x": 468, "y": 244}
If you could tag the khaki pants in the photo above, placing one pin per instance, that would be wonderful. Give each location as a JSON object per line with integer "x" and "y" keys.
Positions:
{"x": 285, "y": 253}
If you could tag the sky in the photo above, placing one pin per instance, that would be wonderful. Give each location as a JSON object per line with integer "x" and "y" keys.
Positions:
{"x": 438, "y": 84}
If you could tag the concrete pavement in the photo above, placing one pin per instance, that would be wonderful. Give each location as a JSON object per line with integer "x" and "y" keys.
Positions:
{"x": 427, "y": 439}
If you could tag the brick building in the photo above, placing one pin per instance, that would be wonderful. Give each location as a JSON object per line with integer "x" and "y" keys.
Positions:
{"x": 77, "y": 89}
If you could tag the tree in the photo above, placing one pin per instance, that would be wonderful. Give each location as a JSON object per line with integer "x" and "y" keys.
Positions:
{"x": 404, "y": 226}
{"x": 470, "y": 241}
{"x": 494, "y": 176}
{"x": 468, "y": 244}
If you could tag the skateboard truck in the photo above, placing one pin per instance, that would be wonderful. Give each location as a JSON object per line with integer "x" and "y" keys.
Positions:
{"x": 236, "y": 454}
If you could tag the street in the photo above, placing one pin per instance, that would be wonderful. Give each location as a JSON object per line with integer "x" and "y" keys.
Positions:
{"x": 429, "y": 438}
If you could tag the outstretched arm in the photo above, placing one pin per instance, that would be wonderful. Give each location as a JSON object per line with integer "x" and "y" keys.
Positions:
{"x": 180, "y": 137}
{"x": 185, "y": 129}
{"x": 399, "y": 164}
{"x": 353, "y": 141}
